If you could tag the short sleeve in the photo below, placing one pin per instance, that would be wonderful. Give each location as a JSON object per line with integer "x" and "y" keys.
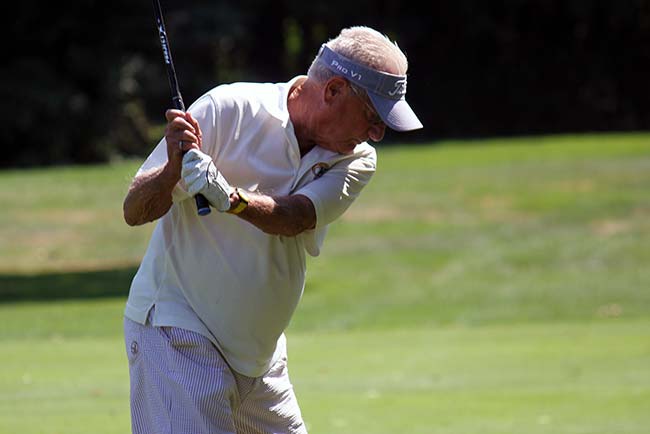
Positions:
{"x": 334, "y": 192}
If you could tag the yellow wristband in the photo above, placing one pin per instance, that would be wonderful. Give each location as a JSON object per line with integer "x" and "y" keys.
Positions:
{"x": 243, "y": 201}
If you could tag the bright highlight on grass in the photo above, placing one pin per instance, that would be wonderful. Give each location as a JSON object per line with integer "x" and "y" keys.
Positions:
{"x": 497, "y": 286}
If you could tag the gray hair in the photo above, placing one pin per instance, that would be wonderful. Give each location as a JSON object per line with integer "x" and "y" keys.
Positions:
{"x": 365, "y": 46}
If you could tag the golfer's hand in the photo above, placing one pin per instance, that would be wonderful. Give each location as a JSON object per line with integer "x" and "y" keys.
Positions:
{"x": 201, "y": 176}
{"x": 182, "y": 133}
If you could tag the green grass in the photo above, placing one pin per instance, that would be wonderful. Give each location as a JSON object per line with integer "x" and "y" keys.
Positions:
{"x": 533, "y": 378}
{"x": 67, "y": 219}
{"x": 497, "y": 286}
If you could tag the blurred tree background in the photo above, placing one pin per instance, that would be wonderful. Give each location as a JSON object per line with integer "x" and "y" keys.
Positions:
{"x": 85, "y": 82}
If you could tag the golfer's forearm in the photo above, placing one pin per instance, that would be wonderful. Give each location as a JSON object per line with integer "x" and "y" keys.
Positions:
{"x": 281, "y": 215}
{"x": 150, "y": 195}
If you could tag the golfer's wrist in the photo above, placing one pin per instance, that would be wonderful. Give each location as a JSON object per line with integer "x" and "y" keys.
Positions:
{"x": 234, "y": 201}
{"x": 171, "y": 173}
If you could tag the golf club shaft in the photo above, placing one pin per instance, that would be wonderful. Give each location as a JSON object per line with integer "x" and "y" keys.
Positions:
{"x": 202, "y": 204}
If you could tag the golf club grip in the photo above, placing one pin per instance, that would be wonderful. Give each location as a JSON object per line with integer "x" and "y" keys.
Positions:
{"x": 202, "y": 204}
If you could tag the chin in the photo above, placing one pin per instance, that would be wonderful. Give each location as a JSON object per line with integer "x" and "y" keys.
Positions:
{"x": 345, "y": 149}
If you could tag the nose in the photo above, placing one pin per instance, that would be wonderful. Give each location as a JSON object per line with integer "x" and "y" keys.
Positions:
{"x": 376, "y": 132}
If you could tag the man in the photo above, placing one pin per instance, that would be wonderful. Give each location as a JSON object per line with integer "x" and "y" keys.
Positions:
{"x": 279, "y": 162}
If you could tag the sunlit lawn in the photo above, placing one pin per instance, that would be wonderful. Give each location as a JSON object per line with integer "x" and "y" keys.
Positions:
{"x": 495, "y": 286}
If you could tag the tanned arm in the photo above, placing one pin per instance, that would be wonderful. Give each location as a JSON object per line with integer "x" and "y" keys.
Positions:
{"x": 150, "y": 195}
{"x": 278, "y": 215}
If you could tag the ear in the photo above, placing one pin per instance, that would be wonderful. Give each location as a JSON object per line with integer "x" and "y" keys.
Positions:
{"x": 334, "y": 88}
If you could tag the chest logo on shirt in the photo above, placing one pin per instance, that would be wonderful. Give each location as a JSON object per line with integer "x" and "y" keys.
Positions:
{"x": 319, "y": 169}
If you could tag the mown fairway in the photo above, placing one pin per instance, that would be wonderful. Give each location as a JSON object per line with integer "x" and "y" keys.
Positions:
{"x": 497, "y": 286}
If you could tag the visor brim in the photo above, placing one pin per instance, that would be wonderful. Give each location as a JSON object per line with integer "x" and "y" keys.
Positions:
{"x": 396, "y": 114}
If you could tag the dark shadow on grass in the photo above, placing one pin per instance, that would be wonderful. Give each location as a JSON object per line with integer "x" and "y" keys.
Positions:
{"x": 67, "y": 285}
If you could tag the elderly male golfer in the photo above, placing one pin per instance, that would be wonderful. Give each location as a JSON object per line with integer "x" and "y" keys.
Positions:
{"x": 210, "y": 302}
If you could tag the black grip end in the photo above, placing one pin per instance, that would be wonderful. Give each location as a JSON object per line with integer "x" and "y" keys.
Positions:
{"x": 202, "y": 205}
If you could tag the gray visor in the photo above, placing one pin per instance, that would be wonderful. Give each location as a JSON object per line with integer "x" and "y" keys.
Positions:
{"x": 386, "y": 91}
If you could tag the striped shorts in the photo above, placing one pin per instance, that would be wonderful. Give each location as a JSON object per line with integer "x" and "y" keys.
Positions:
{"x": 180, "y": 384}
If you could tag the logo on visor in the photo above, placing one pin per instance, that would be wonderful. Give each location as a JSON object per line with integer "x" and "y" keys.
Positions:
{"x": 400, "y": 88}
{"x": 345, "y": 70}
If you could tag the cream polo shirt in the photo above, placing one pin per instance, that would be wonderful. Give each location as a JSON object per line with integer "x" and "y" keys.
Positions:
{"x": 219, "y": 275}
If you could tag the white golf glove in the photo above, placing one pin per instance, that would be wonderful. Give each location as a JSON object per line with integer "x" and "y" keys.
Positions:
{"x": 201, "y": 176}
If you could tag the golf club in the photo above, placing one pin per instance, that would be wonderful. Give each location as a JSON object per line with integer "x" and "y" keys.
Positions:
{"x": 202, "y": 204}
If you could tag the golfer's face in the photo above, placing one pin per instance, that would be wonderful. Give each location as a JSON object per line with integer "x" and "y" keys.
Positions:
{"x": 352, "y": 121}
